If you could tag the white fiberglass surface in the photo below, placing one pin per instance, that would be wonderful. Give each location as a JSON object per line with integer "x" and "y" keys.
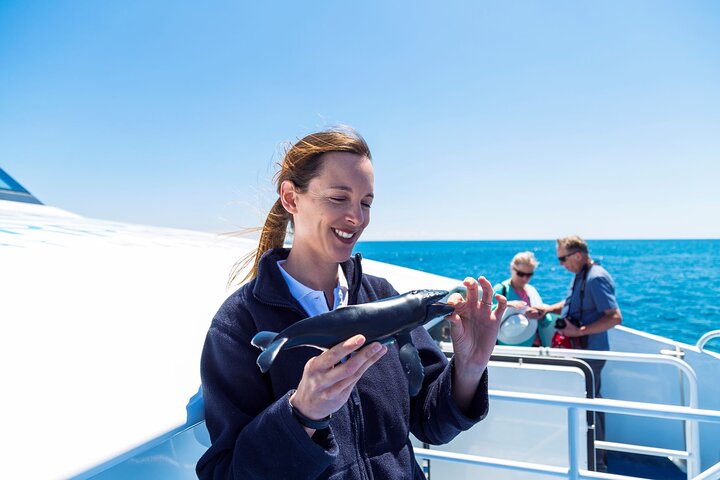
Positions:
{"x": 515, "y": 431}
{"x": 101, "y": 338}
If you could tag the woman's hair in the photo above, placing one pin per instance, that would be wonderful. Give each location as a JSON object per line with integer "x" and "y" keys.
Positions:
{"x": 573, "y": 244}
{"x": 524, "y": 258}
{"x": 301, "y": 163}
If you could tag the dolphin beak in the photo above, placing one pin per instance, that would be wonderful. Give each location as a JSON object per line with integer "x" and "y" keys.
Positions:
{"x": 434, "y": 307}
{"x": 438, "y": 309}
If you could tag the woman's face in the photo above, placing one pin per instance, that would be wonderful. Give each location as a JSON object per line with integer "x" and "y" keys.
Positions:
{"x": 330, "y": 217}
{"x": 521, "y": 274}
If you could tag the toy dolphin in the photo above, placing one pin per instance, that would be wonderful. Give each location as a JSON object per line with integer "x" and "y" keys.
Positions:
{"x": 385, "y": 321}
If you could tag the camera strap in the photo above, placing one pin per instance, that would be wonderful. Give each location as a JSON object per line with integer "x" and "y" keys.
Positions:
{"x": 586, "y": 270}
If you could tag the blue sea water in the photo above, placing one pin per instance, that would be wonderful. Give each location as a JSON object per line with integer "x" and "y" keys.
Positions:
{"x": 665, "y": 287}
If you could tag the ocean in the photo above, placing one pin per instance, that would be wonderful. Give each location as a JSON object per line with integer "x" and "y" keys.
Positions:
{"x": 665, "y": 287}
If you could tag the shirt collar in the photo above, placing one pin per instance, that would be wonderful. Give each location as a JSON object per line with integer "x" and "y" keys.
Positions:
{"x": 305, "y": 294}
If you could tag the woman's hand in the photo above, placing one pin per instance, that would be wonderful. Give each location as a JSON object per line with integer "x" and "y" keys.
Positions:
{"x": 326, "y": 383}
{"x": 473, "y": 328}
{"x": 517, "y": 304}
{"x": 534, "y": 313}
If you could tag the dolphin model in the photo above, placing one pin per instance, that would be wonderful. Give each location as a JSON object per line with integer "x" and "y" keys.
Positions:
{"x": 385, "y": 321}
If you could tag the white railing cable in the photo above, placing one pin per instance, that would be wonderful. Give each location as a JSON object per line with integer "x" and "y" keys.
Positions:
{"x": 629, "y": 448}
{"x": 712, "y": 473}
{"x": 559, "y": 472}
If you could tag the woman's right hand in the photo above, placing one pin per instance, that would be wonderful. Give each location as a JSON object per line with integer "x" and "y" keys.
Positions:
{"x": 326, "y": 383}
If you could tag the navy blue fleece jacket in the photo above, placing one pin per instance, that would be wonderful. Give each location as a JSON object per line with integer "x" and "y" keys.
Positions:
{"x": 254, "y": 434}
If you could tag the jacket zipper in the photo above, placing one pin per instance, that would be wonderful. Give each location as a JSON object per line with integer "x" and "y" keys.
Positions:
{"x": 360, "y": 432}
{"x": 354, "y": 405}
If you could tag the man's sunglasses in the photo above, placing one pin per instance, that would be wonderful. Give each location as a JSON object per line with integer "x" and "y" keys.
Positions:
{"x": 565, "y": 257}
{"x": 523, "y": 274}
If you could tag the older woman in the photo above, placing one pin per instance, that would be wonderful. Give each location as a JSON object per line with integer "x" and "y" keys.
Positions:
{"x": 523, "y": 298}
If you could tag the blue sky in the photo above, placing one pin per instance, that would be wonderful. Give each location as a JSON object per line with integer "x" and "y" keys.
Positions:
{"x": 487, "y": 120}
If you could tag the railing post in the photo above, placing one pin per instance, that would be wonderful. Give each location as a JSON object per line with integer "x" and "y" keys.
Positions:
{"x": 692, "y": 432}
{"x": 573, "y": 447}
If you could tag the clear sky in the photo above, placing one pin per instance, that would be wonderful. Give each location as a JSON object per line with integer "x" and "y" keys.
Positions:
{"x": 487, "y": 120}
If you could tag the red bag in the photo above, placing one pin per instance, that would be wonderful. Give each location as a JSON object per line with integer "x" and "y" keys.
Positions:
{"x": 561, "y": 341}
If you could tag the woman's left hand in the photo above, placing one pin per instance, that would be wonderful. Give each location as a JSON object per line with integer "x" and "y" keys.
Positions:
{"x": 474, "y": 328}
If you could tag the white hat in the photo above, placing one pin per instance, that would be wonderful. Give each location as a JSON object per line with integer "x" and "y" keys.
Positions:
{"x": 516, "y": 328}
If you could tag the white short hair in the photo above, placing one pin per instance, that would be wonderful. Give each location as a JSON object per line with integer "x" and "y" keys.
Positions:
{"x": 524, "y": 258}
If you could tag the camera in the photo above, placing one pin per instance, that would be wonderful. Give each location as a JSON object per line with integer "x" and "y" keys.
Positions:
{"x": 561, "y": 323}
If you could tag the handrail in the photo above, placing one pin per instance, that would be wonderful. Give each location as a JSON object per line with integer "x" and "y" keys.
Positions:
{"x": 625, "y": 407}
{"x": 707, "y": 337}
{"x": 691, "y": 427}
{"x": 608, "y": 355}
{"x": 574, "y": 405}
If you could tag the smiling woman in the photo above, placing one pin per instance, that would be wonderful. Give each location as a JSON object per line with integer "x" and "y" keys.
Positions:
{"x": 323, "y": 413}
{"x": 328, "y": 216}
{"x": 302, "y": 163}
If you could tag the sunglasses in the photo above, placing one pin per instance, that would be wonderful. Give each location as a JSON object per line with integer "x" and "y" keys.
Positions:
{"x": 523, "y": 274}
{"x": 565, "y": 257}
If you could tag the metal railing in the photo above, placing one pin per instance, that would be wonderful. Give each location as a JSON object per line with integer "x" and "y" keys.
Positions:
{"x": 575, "y": 407}
{"x": 706, "y": 338}
{"x": 691, "y": 429}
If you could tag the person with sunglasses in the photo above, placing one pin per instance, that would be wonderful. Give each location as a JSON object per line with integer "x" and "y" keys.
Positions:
{"x": 522, "y": 296}
{"x": 589, "y": 311}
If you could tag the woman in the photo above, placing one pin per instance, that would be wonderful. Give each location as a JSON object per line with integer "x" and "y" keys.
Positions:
{"x": 345, "y": 413}
{"x": 524, "y": 297}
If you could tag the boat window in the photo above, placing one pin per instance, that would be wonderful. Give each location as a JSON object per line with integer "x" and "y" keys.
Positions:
{"x": 13, "y": 191}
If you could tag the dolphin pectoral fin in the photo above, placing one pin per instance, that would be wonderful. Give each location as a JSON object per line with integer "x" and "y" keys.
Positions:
{"x": 262, "y": 340}
{"x": 266, "y": 358}
{"x": 414, "y": 370}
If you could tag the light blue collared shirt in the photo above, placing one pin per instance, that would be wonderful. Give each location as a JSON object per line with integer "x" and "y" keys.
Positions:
{"x": 313, "y": 301}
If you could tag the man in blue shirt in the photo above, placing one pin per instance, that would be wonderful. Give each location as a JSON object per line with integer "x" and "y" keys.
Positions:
{"x": 590, "y": 311}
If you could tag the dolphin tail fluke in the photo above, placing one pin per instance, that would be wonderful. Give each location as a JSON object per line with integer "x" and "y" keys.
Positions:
{"x": 263, "y": 340}
{"x": 266, "y": 358}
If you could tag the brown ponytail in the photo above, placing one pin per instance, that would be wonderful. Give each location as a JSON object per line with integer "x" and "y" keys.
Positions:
{"x": 302, "y": 162}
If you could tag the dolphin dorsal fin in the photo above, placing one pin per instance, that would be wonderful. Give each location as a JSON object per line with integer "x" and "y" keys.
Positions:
{"x": 262, "y": 340}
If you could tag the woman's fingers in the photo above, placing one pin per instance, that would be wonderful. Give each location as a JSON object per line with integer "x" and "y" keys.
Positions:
{"x": 348, "y": 374}
{"x": 323, "y": 388}
{"x": 455, "y": 298}
{"x": 472, "y": 290}
{"x": 502, "y": 305}
{"x": 487, "y": 291}
{"x": 356, "y": 364}
{"x": 333, "y": 356}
